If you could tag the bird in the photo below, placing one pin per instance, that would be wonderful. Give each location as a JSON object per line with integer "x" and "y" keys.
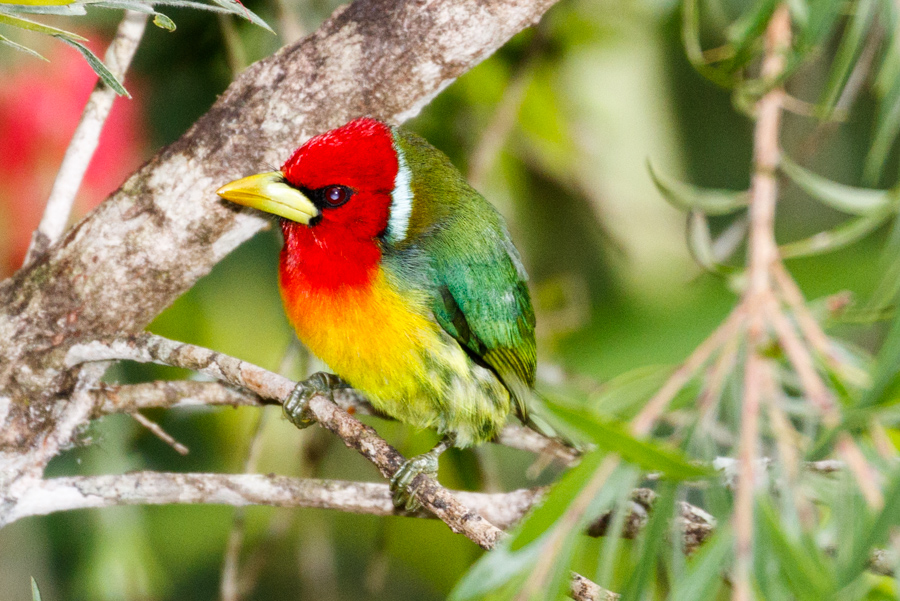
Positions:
{"x": 405, "y": 281}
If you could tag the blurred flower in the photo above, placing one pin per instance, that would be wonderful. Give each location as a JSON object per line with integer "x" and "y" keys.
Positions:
{"x": 40, "y": 106}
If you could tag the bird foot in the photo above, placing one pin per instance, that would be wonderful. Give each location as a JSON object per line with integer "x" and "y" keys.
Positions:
{"x": 403, "y": 486}
{"x": 296, "y": 407}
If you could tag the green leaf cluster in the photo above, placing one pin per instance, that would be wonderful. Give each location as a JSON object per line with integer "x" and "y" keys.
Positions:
{"x": 11, "y": 12}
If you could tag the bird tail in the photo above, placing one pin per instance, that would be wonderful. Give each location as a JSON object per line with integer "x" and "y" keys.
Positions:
{"x": 531, "y": 409}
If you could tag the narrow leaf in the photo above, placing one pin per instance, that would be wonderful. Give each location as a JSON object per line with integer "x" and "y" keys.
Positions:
{"x": 99, "y": 68}
{"x": 26, "y": 49}
{"x": 615, "y": 438}
{"x": 691, "y": 198}
{"x": 239, "y": 9}
{"x": 625, "y": 394}
{"x": 30, "y": 25}
{"x": 875, "y": 535}
{"x": 847, "y": 57}
{"x": 164, "y": 22}
{"x": 843, "y": 235}
{"x": 803, "y": 574}
{"x": 514, "y": 557}
{"x": 887, "y": 366}
{"x": 37, "y": 2}
{"x": 701, "y": 245}
{"x": 887, "y": 125}
{"x": 706, "y": 569}
{"x": 67, "y": 10}
{"x": 35, "y": 593}
{"x": 746, "y": 32}
{"x": 139, "y": 7}
{"x": 690, "y": 34}
{"x": 847, "y": 199}
{"x": 654, "y": 535}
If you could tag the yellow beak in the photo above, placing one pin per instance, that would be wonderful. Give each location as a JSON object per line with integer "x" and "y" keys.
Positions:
{"x": 270, "y": 193}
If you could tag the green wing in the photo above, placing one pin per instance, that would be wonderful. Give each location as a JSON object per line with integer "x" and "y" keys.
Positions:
{"x": 480, "y": 298}
{"x": 483, "y": 300}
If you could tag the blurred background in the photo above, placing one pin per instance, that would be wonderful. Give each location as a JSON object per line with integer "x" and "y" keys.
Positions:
{"x": 556, "y": 129}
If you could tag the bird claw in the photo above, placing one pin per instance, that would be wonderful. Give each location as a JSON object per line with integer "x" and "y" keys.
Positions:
{"x": 402, "y": 489}
{"x": 296, "y": 407}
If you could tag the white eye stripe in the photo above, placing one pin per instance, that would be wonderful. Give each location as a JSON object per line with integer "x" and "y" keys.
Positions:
{"x": 401, "y": 200}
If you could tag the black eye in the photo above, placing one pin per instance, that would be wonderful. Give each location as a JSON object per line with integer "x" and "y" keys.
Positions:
{"x": 335, "y": 196}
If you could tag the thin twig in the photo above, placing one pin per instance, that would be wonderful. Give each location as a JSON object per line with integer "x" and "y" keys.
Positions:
{"x": 763, "y": 253}
{"x": 86, "y": 137}
{"x": 644, "y": 421}
{"x": 809, "y": 326}
{"x": 161, "y": 434}
{"x": 504, "y": 118}
{"x": 799, "y": 358}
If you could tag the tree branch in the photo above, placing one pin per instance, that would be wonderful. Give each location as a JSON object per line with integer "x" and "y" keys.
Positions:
{"x": 240, "y": 490}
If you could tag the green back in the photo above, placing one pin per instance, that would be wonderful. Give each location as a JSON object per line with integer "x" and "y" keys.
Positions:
{"x": 480, "y": 296}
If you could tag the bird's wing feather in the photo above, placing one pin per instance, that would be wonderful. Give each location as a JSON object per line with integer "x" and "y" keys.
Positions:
{"x": 483, "y": 302}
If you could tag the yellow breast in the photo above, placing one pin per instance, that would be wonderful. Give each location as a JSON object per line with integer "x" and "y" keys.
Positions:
{"x": 372, "y": 337}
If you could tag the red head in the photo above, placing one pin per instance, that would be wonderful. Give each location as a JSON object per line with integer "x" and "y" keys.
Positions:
{"x": 335, "y": 196}
{"x": 349, "y": 174}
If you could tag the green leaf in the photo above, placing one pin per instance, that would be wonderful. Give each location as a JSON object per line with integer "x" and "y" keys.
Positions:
{"x": 847, "y": 57}
{"x": 653, "y": 537}
{"x": 615, "y": 438}
{"x": 624, "y": 395}
{"x": 139, "y": 7}
{"x": 847, "y": 199}
{"x": 802, "y": 568}
{"x": 37, "y": 2}
{"x": 817, "y": 27}
{"x": 235, "y": 7}
{"x": 99, "y": 68}
{"x": 746, "y": 32}
{"x": 691, "y": 198}
{"x": 887, "y": 366}
{"x": 700, "y": 244}
{"x": 30, "y": 25}
{"x": 68, "y": 10}
{"x": 843, "y": 235}
{"x": 690, "y": 34}
{"x": 35, "y": 593}
{"x": 556, "y": 503}
{"x": 8, "y": 42}
{"x": 887, "y": 125}
{"x": 164, "y": 22}
{"x": 706, "y": 568}
{"x": 874, "y": 536}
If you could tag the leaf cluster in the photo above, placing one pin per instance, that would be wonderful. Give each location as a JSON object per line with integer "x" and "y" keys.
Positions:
{"x": 11, "y": 15}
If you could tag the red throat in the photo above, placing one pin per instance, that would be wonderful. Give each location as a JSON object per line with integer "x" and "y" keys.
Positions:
{"x": 316, "y": 259}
